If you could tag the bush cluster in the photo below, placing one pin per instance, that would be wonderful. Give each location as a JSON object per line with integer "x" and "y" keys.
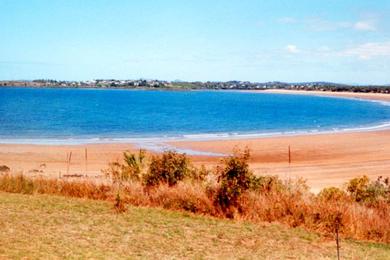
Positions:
{"x": 363, "y": 190}
{"x": 131, "y": 169}
{"x": 360, "y": 210}
{"x": 168, "y": 168}
{"x": 234, "y": 178}
{"x": 332, "y": 194}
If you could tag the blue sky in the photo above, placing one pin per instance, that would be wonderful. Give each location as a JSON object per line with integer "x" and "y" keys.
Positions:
{"x": 344, "y": 41}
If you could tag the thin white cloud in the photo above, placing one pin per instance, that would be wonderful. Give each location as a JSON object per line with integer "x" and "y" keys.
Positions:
{"x": 287, "y": 20}
{"x": 368, "y": 50}
{"x": 38, "y": 63}
{"x": 365, "y": 26}
{"x": 324, "y": 49}
{"x": 292, "y": 49}
{"x": 363, "y": 51}
{"x": 320, "y": 24}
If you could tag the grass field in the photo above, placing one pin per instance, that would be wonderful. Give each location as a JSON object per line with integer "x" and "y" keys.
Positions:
{"x": 39, "y": 226}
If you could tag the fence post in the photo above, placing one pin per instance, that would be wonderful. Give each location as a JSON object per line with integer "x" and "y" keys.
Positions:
{"x": 337, "y": 227}
{"x": 69, "y": 159}
{"x": 86, "y": 162}
{"x": 289, "y": 155}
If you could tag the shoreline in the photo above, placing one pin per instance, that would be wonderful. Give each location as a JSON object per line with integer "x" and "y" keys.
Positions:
{"x": 160, "y": 144}
{"x": 342, "y": 94}
{"x": 201, "y": 137}
{"x": 323, "y": 159}
{"x": 326, "y": 93}
{"x": 149, "y": 141}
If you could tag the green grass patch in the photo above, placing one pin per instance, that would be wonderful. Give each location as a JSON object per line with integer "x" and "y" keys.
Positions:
{"x": 43, "y": 226}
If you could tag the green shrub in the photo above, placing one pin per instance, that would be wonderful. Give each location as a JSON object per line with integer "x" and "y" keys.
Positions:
{"x": 199, "y": 174}
{"x": 357, "y": 188}
{"x": 131, "y": 168}
{"x": 363, "y": 190}
{"x": 234, "y": 178}
{"x": 332, "y": 194}
{"x": 134, "y": 164}
{"x": 168, "y": 168}
{"x": 266, "y": 184}
{"x": 379, "y": 190}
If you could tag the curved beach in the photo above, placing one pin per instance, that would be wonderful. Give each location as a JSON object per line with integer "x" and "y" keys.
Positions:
{"x": 326, "y": 159}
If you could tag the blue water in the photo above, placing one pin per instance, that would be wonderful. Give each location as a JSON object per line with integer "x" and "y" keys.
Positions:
{"x": 61, "y": 114}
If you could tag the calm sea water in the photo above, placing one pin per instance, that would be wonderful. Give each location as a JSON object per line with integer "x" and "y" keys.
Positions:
{"x": 91, "y": 114}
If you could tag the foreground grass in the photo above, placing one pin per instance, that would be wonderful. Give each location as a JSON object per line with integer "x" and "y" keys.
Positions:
{"x": 39, "y": 226}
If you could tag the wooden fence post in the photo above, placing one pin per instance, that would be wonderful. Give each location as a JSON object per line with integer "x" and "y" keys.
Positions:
{"x": 86, "y": 162}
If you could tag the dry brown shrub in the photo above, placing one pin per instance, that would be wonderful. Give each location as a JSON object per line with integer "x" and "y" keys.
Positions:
{"x": 353, "y": 219}
{"x": 79, "y": 189}
{"x": 184, "y": 196}
{"x": 4, "y": 169}
{"x": 119, "y": 204}
{"x": 134, "y": 194}
{"x": 289, "y": 203}
{"x": 333, "y": 194}
{"x": 16, "y": 184}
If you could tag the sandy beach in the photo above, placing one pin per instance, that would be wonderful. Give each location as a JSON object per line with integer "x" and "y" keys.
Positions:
{"x": 369, "y": 96}
{"x": 322, "y": 159}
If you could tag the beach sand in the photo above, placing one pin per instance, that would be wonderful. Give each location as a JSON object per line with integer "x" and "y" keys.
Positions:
{"x": 51, "y": 160}
{"x": 369, "y": 96}
{"x": 322, "y": 159}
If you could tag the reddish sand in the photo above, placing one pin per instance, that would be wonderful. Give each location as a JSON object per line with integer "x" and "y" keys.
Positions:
{"x": 371, "y": 96}
{"x": 322, "y": 159}
{"x": 51, "y": 160}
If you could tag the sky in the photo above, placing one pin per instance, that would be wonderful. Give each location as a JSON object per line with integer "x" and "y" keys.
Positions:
{"x": 344, "y": 41}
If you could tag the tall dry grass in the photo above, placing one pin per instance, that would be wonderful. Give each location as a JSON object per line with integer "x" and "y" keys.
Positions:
{"x": 357, "y": 221}
{"x": 265, "y": 198}
{"x": 80, "y": 189}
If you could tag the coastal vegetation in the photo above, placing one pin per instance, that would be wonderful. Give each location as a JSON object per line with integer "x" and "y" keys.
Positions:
{"x": 359, "y": 211}
{"x": 210, "y": 85}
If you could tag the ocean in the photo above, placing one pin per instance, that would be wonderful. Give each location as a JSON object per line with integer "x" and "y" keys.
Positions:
{"x": 64, "y": 116}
